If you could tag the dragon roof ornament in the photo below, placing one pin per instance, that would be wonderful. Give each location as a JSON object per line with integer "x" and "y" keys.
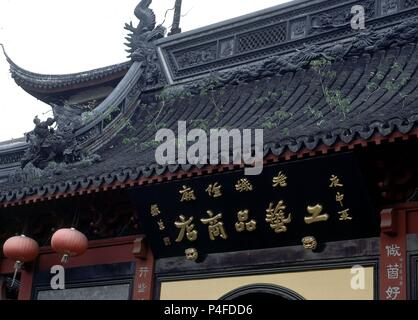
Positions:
{"x": 146, "y": 31}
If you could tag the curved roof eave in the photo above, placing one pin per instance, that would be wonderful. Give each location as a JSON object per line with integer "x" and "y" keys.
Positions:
{"x": 35, "y": 83}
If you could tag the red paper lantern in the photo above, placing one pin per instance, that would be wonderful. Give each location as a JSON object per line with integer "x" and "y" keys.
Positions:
{"x": 20, "y": 249}
{"x": 69, "y": 243}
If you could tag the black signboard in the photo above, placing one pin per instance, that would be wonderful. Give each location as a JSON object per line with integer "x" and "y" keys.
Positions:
{"x": 322, "y": 199}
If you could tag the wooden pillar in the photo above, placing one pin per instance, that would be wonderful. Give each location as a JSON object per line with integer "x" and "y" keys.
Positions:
{"x": 393, "y": 258}
{"x": 144, "y": 272}
{"x": 26, "y": 279}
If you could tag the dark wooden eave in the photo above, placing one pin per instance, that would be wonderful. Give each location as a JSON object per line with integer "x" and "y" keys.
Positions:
{"x": 124, "y": 178}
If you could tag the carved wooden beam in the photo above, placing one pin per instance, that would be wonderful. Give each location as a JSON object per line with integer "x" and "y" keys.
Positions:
{"x": 140, "y": 250}
{"x": 389, "y": 222}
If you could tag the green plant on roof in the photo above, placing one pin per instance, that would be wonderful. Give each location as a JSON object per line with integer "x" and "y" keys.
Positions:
{"x": 337, "y": 102}
{"x": 87, "y": 116}
{"x": 156, "y": 126}
{"x": 169, "y": 93}
{"x": 320, "y": 64}
{"x": 131, "y": 141}
{"x": 129, "y": 127}
{"x": 151, "y": 144}
{"x": 268, "y": 96}
{"x": 396, "y": 66}
{"x": 334, "y": 98}
{"x": 212, "y": 85}
{"x": 274, "y": 120}
{"x": 111, "y": 113}
{"x": 286, "y": 132}
{"x": 318, "y": 115}
{"x": 391, "y": 85}
{"x": 200, "y": 124}
{"x": 380, "y": 75}
{"x": 282, "y": 115}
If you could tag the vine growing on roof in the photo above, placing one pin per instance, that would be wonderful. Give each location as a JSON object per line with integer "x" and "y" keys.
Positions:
{"x": 391, "y": 85}
{"x": 335, "y": 99}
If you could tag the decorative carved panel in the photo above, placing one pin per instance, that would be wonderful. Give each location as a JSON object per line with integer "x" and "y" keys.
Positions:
{"x": 389, "y": 6}
{"x": 275, "y": 32}
{"x": 262, "y": 38}
{"x": 410, "y": 3}
{"x": 197, "y": 56}
{"x": 226, "y": 48}
{"x": 298, "y": 29}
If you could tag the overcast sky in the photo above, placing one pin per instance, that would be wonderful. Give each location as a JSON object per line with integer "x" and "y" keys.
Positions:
{"x": 56, "y": 37}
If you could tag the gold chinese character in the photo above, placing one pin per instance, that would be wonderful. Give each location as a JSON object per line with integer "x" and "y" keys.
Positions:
{"x": 276, "y": 217}
{"x": 344, "y": 215}
{"x": 243, "y": 185}
{"x": 216, "y": 228}
{"x": 186, "y": 227}
{"x": 167, "y": 241}
{"x": 335, "y": 182}
{"x": 187, "y": 194}
{"x": 280, "y": 180}
{"x": 339, "y": 198}
{"x": 161, "y": 225}
{"x": 309, "y": 243}
{"x": 316, "y": 215}
{"x": 142, "y": 287}
{"x": 251, "y": 226}
{"x": 243, "y": 223}
{"x": 214, "y": 190}
{"x": 155, "y": 211}
{"x": 191, "y": 254}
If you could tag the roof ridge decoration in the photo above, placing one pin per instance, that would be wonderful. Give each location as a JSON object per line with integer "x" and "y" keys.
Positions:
{"x": 68, "y": 143}
{"x": 278, "y": 30}
{"x": 365, "y": 41}
{"x": 146, "y": 31}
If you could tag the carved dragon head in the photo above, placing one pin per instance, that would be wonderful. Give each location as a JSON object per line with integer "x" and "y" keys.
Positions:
{"x": 145, "y": 15}
{"x": 146, "y": 31}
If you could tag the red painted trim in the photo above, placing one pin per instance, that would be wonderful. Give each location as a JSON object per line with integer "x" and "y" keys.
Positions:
{"x": 388, "y": 222}
{"x": 393, "y": 260}
{"x": 26, "y": 279}
{"x": 98, "y": 243}
{"x": 412, "y": 221}
{"x": 411, "y": 211}
{"x": 144, "y": 278}
{"x": 287, "y": 156}
{"x": 100, "y": 252}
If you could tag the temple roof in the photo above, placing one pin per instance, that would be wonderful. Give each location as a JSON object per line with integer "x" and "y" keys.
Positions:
{"x": 316, "y": 97}
{"x": 291, "y": 107}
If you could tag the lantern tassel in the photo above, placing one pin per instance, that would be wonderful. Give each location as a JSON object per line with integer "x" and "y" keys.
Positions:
{"x": 17, "y": 267}
{"x": 65, "y": 258}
